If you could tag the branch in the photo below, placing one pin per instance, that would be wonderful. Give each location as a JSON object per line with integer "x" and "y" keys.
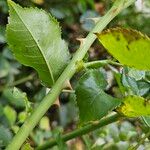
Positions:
{"x": 70, "y": 70}
{"x": 81, "y": 131}
{"x": 20, "y": 81}
{"x": 99, "y": 63}
{"x": 140, "y": 142}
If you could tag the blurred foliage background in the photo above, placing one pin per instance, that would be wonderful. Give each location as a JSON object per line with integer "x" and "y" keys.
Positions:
{"x": 21, "y": 90}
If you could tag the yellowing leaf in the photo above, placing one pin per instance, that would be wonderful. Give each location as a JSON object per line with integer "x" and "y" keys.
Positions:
{"x": 135, "y": 106}
{"x": 39, "y": 2}
{"x": 129, "y": 47}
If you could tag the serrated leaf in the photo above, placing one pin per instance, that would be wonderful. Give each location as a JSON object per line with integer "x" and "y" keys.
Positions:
{"x": 136, "y": 74}
{"x": 129, "y": 47}
{"x": 35, "y": 38}
{"x": 92, "y": 101}
{"x": 135, "y": 106}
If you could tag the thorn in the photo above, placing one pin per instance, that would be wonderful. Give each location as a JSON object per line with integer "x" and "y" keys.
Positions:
{"x": 97, "y": 34}
{"x": 57, "y": 102}
{"x": 81, "y": 40}
{"x": 95, "y": 20}
{"x": 67, "y": 85}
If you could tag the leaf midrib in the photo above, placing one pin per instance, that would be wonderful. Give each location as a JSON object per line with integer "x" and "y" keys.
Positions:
{"x": 40, "y": 49}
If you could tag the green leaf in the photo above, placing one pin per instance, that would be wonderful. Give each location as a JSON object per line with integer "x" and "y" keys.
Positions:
{"x": 10, "y": 114}
{"x": 129, "y": 47}
{"x": 15, "y": 97}
{"x": 22, "y": 116}
{"x": 5, "y": 136}
{"x": 136, "y": 74}
{"x": 35, "y": 38}
{"x": 4, "y": 67}
{"x": 129, "y": 83}
{"x": 44, "y": 123}
{"x": 92, "y": 101}
{"x": 147, "y": 120}
{"x": 135, "y": 106}
{"x": 2, "y": 35}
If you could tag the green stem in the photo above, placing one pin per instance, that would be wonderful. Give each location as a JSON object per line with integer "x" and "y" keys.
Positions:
{"x": 81, "y": 131}
{"x": 20, "y": 81}
{"x": 70, "y": 70}
{"x": 100, "y": 63}
{"x": 140, "y": 142}
{"x": 68, "y": 91}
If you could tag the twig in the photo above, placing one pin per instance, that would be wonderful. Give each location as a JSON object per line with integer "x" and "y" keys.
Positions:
{"x": 81, "y": 131}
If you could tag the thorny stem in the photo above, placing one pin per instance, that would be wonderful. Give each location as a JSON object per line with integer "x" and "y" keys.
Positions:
{"x": 140, "y": 142}
{"x": 100, "y": 63}
{"x": 81, "y": 131}
{"x": 70, "y": 70}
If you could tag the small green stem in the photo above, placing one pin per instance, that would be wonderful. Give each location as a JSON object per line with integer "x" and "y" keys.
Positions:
{"x": 140, "y": 142}
{"x": 100, "y": 63}
{"x": 20, "y": 81}
{"x": 68, "y": 91}
{"x": 70, "y": 70}
{"x": 81, "y": 131}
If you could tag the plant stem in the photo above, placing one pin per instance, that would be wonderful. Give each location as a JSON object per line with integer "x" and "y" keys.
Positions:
{"x": 140, "y": 142}
{"x": 20, "y": 81}
{"x": 100, "y": 63}
{"x": 68, "y": 91}
{"x": 81, "y": 131}
{"x": 70, "y": 70}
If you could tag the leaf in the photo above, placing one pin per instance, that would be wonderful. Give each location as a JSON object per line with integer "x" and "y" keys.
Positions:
{"x": 5, "y": 136}
{"x": 22, "y": 116}
{"x": 128, "y": 46}
{"x": 2, "y": 35}
{"x": 135, "y": 106}
{"x": 147, "y": 120}
{"x": 10, "y": 114}
{"x": 15, "y": 97}
{"x": 92, "y": 101}
{"x": 4, "y": 67}
{"x": 135, "y": 82}
{"x": 44, "y": 123}
{"x": 35, "y": 38}
{"x": 136, "y": 74}
{"x": 129, "y": 83}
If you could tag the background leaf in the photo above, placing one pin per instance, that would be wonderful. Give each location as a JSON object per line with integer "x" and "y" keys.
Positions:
{"x": 135, "y": 106}
{"x": 35, "y": 38}
{"x": 129, "y": 47}
{"x": 147, "y": 120}
{"x": 5, "y": 136}
{"x": 15, "y": 97}
{"x": 10, "y": 114}
{"x": 92, "y": 101}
